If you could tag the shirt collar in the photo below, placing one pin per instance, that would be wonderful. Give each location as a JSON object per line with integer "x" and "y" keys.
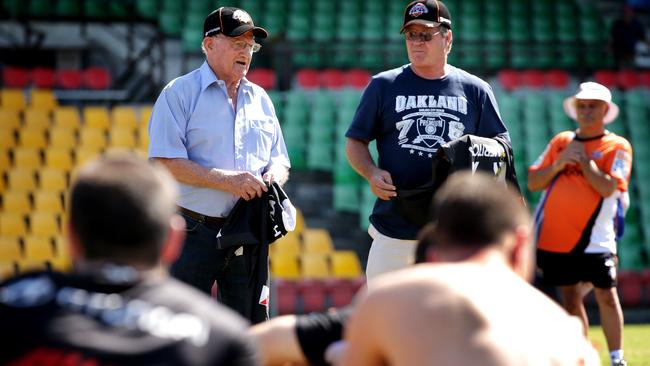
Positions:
{"x": 208, "y": 78}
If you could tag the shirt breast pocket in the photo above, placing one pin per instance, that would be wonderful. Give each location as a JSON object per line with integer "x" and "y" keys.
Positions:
{"x": 260, "y": 136}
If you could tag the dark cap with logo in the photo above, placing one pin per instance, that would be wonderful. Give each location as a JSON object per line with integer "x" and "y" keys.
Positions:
{"x": 231, "y": 22}
{"x": 431, "y": 13}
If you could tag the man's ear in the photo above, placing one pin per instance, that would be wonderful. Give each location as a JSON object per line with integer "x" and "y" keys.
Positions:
{"x": 173, "y": 244}
{"x": 521, "y": 252}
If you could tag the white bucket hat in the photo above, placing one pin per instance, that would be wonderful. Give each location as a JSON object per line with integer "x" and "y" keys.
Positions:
{"x": 594, "y": 91}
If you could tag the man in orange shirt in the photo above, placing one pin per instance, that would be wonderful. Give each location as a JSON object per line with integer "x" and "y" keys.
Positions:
{"x": 585, "y": 175}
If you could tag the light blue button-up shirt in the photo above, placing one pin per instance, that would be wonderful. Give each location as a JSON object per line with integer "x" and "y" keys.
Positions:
{"x": 193, "y": 119}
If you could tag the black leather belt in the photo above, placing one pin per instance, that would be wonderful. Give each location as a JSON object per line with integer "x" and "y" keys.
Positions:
{"x": 202, "y": 218}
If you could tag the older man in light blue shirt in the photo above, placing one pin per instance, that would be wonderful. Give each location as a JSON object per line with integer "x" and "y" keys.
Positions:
{"x": 219, "y": 136}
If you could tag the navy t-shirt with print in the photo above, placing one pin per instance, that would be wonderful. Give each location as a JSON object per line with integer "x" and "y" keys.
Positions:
{"x": 410, "y": 117}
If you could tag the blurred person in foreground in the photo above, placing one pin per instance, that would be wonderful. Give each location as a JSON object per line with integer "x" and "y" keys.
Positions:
{"x": 470, "y": 306}
{"x": 477, "y": 310}
{"x": 119, "y": 306}
{"x": 411, "y": 111}
{"x": 585, "y": 175}
{"x": 219, "y": 136}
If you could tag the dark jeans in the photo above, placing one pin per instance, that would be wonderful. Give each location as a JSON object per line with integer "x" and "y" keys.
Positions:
{"x": 201, "y": 264}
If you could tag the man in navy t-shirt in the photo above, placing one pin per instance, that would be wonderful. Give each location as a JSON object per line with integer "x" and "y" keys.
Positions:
{"x": 411, "y": 111}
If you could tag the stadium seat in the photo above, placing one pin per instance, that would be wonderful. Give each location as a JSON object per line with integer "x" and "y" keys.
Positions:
{"x": 317, "y": 241}
{"x": 15, "y": 77}
{"x": 357, "y": 78}
{"x": 288, "y": 244}
{"x": 52, "y": 179}
{"x": 62, "y": 260}
{"x": 307, "y": 79}
{"x": 26, "y": 265}
{"x": 21, "y": 179}
{"x": 5, "y": 162}
{"x": 68, "y": 79}
{"x": 607, "y": 78}
{"x": 96, "y": 116}
{"x": 67, "y": 116}
{"x": 38, "y": 248}
{"x": 39, "y": 118}
{"x": 42, "y": 99}
{"x": 314, "y": 295}
{"x": 12, "y": 224}
{"x": 286, "y": 296}
{"x": 284, "y": 266}
{"x": 13, "y": 99}
{"x": 121, "y": 137}
{"x": 92, "y": 137}
{"x": 629, "y": 288}
{"x": 9, "y": 118}
{"x": 32, "y": 137}
{"x": 314, "y": 266}
{"x": 43, "y": 77}
{"x": 7, "y": 270}
{"x": 557, "y": 79}
{"x": 345, "y": 264}
{"x": 96, "y": 78}
{"x": 85, "y": 153}
{"x": 27, "y": 157}
{"x": 263, "y": 77}
{"x": 9, "y": 249}
{"x": 62, "y": 137}
{"x": 43, "y": 224}
{"x": 534, "y": 79}
{"x": 340, "y": 291}
{"x": 59, "y": 157}
{"x": 332, "y": 79}
{"x": 628, "y": 79}
{"x": 16, "y": 202}
{"x": 509, "y": 79}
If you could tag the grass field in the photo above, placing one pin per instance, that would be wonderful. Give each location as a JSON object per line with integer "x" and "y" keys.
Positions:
{"x": 636, "y": 339}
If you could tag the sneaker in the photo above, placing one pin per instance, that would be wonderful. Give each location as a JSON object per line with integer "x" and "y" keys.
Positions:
{"x": 620, "y": 362}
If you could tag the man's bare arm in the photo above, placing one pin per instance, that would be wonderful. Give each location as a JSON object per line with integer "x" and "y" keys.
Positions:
{"x": 360, "y": 159}
{"x": 241, "y": 184}
{"x": 278, "y": 341}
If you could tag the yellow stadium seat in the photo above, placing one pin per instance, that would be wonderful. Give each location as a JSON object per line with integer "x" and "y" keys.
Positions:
{"x": 38, "y": 247}
{"x": 21, "y": 179}
{"x": 317, "y": 241}
{"x": 300, "y": 222}
{"x": 36, "y": 118}
{"x": 288, "y": 244}
{"x": 32, "y": 137}
{"x": 64, "y": 137}
{"x": 43, "y": 99}
{"x": 57, "y": 157}
{"x": 122, "y": 137}
{"x": 16, "y": 202}
{"x": 52, "y": 179}
{"x": 67, "y": 116}
{"x": 12, "y": 224}
{"x": 285, "y": 266}
{"x": 9, "y": 118}
{"x": 7, "y": 138}
{"x": 143, "y": 138}
{"x": 13, "y": 99}
{"x": 27, "y": 265}
{"x": 7, "y": 270}
{"x": 48, "y": 201}
{"x": 3, "y": 186}
{"x": 62, "y": 260}
{"x": 27, "y": 157}
{"x": 314, "y": 265}
{"x": 94, "y": 137}
{"x": 96, "y": 116}
{"x": 9, "y": 249}
{"x": 86, "y": 153}
{"x": 345, "y": 264}
{"x": 124, "y": 116}
{"x": 43, "y": 224}
{"x": 145, "y": 114}
{"x": 5, "y": 162}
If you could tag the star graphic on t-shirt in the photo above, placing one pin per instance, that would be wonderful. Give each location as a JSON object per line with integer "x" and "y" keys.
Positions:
{"x": 420, "y": 153}
{"x": 411, "y": 151}
{"x": 430, "y": 155}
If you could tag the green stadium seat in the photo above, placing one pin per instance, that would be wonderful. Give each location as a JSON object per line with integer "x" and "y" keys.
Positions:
{"x": 518, "y": 29}
{"x": 95, "y": 9}
{"x": 347, "y": 27}
{"x": 40, "y": 8}
{"x": 297, "y": 157}
{"x": 147, "y": 9}
{"x": 470, "y": 28}
{"x": 372, "y": 28}
{"x": 346, "y": 197}
{"x": 120, "y": 9}
{"x": 170, "y": 22}
{"x": 67, "y": 8}
{"x": 323, "y": 26}
{"x": 320, "y": 156}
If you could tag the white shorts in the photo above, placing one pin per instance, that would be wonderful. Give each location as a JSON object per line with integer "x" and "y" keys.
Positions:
{"x": 388, "y": 254}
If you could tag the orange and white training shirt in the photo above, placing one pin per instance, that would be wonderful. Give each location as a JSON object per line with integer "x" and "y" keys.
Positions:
{"x": 571, "y": 215}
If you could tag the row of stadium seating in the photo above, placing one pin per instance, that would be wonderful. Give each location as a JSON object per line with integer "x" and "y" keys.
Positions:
{"x": 47, "y": 78}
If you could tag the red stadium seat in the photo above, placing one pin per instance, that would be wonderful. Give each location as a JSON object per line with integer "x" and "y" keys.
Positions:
{"x": 96, "y": 78}
{"x": 629, "y": 79}
{"x": 286, "y": 296}
{"x": 557, "y": 79}
{"x": 43, "y": 77}
{"x": 341, "y": 291}
{"x": 313, "y": 294}
{"x": 629, "y": 288}
{"x": 15, "y": 77}
{"x": 644, "y": 77}
{"x": 645, "y": 286}
{"x": 68, "y": 79}
{"x": 509, "y": 79}
{"x": 308, "y": 78}
{"x": 262, "y": 77}
{"x": 332, "y": 79}
{"x": 358, "y": 78}
{"x": 607, "y": 78}
{"x": 534, "y": 79}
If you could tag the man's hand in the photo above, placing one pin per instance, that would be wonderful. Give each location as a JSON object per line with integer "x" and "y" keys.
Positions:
{"x": 245, "y": 185}
{"x": 573, "y": 154}
{"x": 276, "y": 174}
{"x": 381, "y": 185}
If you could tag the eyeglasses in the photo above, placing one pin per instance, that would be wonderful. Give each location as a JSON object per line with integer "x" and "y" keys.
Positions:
{"x": 243, "y": 45}
{"x": 420, "y": 36}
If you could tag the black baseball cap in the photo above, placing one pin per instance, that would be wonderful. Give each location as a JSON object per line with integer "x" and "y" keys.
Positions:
{"x": 231, "y": 22}
{"x": 431, "y": 13}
